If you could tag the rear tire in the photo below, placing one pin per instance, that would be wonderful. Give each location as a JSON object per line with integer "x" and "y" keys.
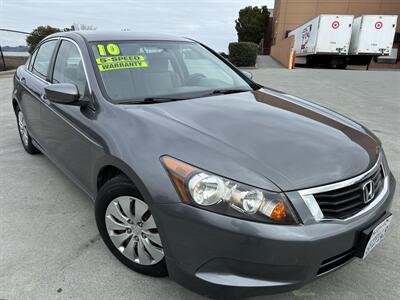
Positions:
{"x": 26, "y": 139}
{"x": 127, "y": 227}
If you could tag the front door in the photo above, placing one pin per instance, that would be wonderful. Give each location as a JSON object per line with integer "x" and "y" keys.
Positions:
{"x": 65, "y": 126}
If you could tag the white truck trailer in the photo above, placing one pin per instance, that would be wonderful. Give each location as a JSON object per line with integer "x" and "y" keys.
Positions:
{"x": 323, "y": 41}
{"x": 372, "y": 36}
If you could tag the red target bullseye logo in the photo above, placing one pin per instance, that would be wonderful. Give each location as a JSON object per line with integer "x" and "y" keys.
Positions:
{"x": 378, "y": 25}
{"x": 335, "y": 25}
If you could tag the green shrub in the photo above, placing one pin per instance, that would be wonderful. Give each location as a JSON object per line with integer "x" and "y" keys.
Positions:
{"x": 243, "y": 54}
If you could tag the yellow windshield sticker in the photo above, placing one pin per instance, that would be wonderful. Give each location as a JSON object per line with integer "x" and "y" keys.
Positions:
{"x": 121, "y": 62}
{"x": 102, "y": 50}
{"x": 112, "y": 49}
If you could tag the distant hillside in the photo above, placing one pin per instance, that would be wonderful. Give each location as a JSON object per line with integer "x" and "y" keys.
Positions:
{"x": 15, "y": 48}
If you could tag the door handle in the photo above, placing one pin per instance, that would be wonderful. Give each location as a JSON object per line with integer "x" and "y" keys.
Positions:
{"x": 44, "y": 99}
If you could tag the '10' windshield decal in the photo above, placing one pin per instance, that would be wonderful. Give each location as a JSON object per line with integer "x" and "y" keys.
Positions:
{"x": 115, "y": 61}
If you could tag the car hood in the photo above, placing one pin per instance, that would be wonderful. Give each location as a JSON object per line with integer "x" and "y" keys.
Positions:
{"x": 293, "y": 143}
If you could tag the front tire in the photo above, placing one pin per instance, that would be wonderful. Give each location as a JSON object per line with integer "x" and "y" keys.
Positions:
{"x": 24, "y": 134}
{"x": 127, "y": 227}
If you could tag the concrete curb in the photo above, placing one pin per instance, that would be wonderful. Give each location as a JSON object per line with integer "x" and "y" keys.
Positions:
{"x": 8, "y": 72}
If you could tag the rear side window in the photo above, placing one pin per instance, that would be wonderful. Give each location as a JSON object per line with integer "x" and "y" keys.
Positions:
{"x": 42, "y": 59}
{"x": 68, "y": 67}
{"x": 31, "y": 60}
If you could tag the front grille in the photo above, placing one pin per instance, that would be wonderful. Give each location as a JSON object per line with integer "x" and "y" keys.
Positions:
{"x": 335, "y": 262}
{"x": 347, "y": 201}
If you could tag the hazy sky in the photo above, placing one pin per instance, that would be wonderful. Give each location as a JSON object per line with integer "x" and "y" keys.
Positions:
{"x": 209, "y": 21}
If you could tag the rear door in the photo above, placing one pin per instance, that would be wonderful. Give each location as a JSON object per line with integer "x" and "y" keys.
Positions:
{"x": 334, "y": 34}
{"x": 34, "y": 81}
{"x": 377, "y": 34}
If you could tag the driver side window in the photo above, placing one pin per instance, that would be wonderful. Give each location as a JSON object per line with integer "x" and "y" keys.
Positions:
{"x": 68, "y": 67}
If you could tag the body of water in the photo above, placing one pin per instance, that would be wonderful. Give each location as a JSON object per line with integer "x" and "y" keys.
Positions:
{"x": 11, "y": 53}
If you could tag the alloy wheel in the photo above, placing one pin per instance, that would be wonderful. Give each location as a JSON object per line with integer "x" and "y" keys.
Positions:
{"x": 22, "y": 128}
{"x": 131, "y": 227}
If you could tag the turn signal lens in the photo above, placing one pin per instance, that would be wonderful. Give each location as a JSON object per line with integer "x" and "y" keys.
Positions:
{"x": 178, "y": 172}
{"x": 279, "y": 212}
{"x": 274, "y": 210}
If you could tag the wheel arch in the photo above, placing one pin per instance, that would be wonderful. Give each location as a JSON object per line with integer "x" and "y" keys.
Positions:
{"x": 15, "y": 104}
{"x": 110, "y": 167}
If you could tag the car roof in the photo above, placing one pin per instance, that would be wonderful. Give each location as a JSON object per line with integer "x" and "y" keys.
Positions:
{"x": 97, "y": 35}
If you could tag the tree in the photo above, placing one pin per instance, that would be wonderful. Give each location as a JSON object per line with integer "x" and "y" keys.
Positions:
{"x": 251, "y": 24}
{"x": 39, "y": 34}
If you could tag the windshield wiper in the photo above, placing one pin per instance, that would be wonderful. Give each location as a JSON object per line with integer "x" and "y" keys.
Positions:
{"x": 151, "y": 100}
{"x": 228, "y": 91}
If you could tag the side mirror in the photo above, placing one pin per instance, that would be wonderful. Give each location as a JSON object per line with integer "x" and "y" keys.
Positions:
{"x": 248, "y": 74}
{"x": 63, "y": 93}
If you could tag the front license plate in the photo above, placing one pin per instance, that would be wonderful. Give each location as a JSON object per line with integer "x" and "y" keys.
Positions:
{"x": 377, "y": 235}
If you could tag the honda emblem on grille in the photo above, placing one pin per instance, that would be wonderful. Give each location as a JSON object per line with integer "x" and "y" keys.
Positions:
{"x": 368, "y": 191}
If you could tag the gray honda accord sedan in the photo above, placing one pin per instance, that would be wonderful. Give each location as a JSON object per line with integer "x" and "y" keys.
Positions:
{"x": 231, "y": 188}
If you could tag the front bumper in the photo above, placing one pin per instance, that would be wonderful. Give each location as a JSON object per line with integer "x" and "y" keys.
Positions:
{"x": 220, "y": 256}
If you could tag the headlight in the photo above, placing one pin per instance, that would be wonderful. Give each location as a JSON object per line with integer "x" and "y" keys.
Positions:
{"x": 218, "y": 194}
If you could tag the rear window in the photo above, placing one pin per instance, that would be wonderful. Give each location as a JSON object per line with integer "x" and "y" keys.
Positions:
{"x": 31, "y": 60}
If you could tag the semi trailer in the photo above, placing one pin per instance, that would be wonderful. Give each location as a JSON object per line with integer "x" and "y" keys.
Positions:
{"x": 372, "y": 36}
{"x": 323, "y": 41}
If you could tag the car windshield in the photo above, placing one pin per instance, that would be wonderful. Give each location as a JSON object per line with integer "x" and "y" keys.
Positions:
{"x": 135, "y": 71}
